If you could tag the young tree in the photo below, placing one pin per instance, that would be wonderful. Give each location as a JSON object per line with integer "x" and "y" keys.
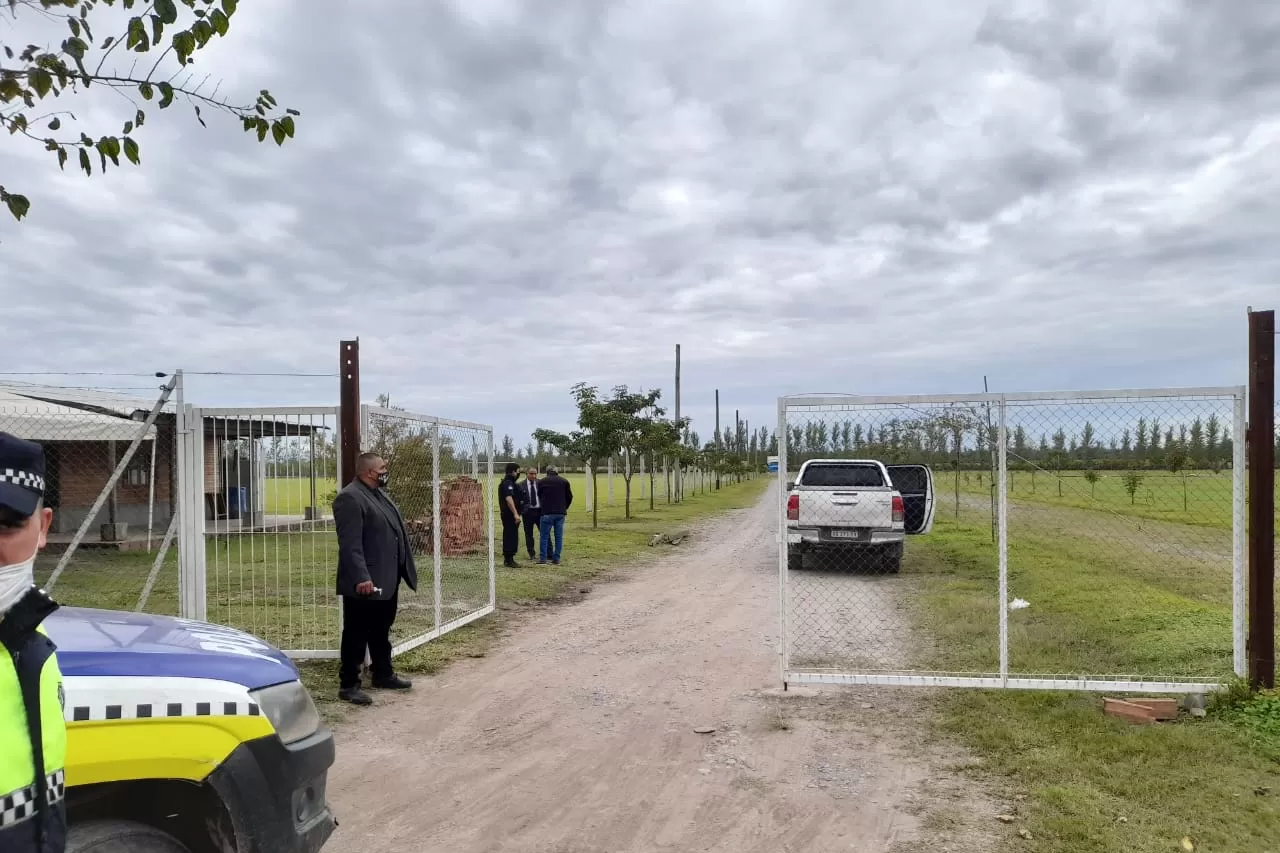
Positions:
{"x": 631, "y": 414}
{"x": 599, "y": 436}
{"x": 150, "y": 54}
{"x": 1213, "y": 431}
{"x": 1132, "y": 482}
{"x": 1092, "y": 477}
{"x": 508, "y": 449}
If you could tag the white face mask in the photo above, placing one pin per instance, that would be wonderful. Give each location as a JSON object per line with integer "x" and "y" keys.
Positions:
{"x": 15, "y": 580}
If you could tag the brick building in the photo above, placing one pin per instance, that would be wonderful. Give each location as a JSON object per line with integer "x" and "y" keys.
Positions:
{"x": 86, "y": 432}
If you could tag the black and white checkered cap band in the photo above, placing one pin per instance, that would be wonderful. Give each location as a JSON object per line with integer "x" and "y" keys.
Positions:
{"x": 21, "y": 804}
{"x": 25, "y": 479}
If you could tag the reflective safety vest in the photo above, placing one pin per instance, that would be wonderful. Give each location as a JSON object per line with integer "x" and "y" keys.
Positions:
{"x": 33, "y": 735}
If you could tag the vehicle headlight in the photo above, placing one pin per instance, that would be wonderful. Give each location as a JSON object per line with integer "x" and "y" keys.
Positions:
{"x": 289, "y": 708}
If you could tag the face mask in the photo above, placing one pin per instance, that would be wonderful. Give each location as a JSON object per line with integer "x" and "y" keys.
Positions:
{"x": 15, "y": 580}
{"x": 383, "y": 479}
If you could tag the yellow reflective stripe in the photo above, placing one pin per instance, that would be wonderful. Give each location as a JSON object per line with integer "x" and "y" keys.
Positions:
{"x": 188, "y": 748}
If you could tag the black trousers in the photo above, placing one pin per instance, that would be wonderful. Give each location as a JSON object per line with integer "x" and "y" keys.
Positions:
{"x": 510, "y": 538}
{"x": 366, "y": 623}
{"x": 531, "y": 535}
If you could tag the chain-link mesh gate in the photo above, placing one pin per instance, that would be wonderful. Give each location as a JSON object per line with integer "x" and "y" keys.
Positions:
{"x": 1084, "y": 540}
{"x": 441, "y": 478}
{"x": 110, "y": 482}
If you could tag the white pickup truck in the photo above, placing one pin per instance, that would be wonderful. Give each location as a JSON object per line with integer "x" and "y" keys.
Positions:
{"x": 856, "y": 511}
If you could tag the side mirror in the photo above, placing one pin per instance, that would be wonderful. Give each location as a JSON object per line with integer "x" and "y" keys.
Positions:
{"x": 791, "y": 486}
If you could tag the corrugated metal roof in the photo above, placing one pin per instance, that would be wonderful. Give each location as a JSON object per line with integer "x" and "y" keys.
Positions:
{"x": 40, "y": 420}
{"x": 107, "y": 402}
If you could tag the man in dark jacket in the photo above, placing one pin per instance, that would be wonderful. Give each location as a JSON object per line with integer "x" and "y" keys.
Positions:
{"x": 374, "y": 555}
{"x": 509, "y": 510}
{"x": 556, "y": 497}
{"x": 530, "y": 509}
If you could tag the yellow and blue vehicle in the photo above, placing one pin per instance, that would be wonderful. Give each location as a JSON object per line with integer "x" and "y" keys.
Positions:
{"x": 184, "y": 737}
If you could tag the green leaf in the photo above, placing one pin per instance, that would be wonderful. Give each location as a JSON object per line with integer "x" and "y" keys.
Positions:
{"x": 287, "y": 124}
{"x": 229, "y": 6}
{"x": 166, "y": 94}
{"x": 157, "y": 29}
{"x": 55, "y": 123}
{"x": 167, "y": 10}
{"x": 140, "y": 119}
{"x": 62, "y": 158}
{"x": 263, "y": 127}
{"x": 203, "y": 31}
{"x": 18, "y": 204}
{"x": 128, "y": 128}
{"x": 41, "y": 81}
{"x": 76, "y": 47}
{"x": 85, "y": 162}
{"x": 278, "y": 133}
{"x": 219, "y": 22}
{"x": 74, "y": 24}
{"x": 146, "y": 91}
{"x": 184, "y": 44}
{"x": 293, "y": 112}
{"x": 136, "y": 37}
{"x": 199, "y": 117}
{"x": 131, "y": 150}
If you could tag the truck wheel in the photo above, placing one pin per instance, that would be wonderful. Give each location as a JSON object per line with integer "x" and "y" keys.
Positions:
{"x": 795, "y": 561}
{"x": 892, "y": 559}
{"x": 121, "y": 836}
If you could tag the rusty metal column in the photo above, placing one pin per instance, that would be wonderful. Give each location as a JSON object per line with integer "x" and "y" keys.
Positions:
{"x": 1261, "y": 646}
{"x": 349, "y": 410}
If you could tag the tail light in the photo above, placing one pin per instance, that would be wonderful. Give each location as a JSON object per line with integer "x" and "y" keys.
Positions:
{"x": 899, "y": 509}
{"x": 793, "y": 508}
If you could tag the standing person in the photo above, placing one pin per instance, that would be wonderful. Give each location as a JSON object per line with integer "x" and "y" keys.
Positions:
{"x": 33, "y": 735}
{"x": 374, "y": 555}
{"x": 556, "y": 497}
{"x": 531, "y": 511}
{"x": 509, "y": 509}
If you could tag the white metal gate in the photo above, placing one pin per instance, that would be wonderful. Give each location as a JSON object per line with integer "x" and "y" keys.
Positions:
{"x": 1066, "y": 540}
{"x": 258, "y": 549}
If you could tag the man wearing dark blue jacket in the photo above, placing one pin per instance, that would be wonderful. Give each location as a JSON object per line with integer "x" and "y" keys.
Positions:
{"x": 556, "y": 496}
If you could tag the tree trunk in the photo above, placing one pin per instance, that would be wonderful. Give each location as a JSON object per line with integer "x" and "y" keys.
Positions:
{"x": 652, "y": 482}
{"x": 595, "y": 496}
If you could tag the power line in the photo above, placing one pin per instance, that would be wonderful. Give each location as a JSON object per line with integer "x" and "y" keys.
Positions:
{"x": 157, "y": 374}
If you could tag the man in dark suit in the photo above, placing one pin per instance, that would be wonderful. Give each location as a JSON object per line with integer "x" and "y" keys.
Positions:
{"x": 374, "y": 555}
{"x": 530, "y": 508}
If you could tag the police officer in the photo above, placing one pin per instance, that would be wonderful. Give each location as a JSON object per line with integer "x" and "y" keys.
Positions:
{"x": 509, "y": 509}
{"x": 33, "y": 735}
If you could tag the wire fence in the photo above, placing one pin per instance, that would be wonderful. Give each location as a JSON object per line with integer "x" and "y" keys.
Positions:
{"x": 441, "y": 479}
{"x": 1112, "y": 556}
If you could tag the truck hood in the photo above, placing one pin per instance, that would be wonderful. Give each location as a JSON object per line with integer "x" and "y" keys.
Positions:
{"x": 110, "y": 642}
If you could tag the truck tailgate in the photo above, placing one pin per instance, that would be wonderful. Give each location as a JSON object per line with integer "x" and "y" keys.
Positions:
{"x": 846, "y": 508}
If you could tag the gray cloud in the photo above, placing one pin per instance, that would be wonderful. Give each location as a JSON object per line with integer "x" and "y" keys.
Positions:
{"x": 502, "y": 198}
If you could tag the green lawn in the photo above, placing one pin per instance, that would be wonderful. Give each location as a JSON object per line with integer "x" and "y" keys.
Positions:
{"x": 1098, "y": 605}
{"x": 1200, "y": 499}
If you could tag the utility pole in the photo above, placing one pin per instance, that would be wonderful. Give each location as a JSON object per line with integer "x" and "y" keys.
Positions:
{"x": 719, "y": 438}
{"x": 679, "y": 430}
{"x": 737, "y": 439}
{"x": 1260, "y": 438}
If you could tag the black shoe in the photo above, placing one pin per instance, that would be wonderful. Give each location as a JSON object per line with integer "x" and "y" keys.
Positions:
{"x": 355, "y": 695}
{"x": 395, "y": 682}
{"x": 532, "y": 557}
{"x": 510, "y": 564}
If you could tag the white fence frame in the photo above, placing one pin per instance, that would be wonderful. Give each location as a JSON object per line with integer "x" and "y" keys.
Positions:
{"x": 1004, "y": 679}
{"x": 437, "y": 562}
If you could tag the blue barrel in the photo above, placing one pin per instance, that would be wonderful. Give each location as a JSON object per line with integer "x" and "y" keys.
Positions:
{"x": 237, "y": 501}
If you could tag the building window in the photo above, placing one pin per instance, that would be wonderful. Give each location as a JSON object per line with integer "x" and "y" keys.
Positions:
{"x": 138, "y": 473}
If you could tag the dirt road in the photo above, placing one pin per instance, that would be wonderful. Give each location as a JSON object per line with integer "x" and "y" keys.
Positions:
{"x": 578, "y": 733}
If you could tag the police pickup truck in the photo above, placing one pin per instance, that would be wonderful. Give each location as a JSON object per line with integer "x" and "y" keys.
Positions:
{"x": 856, "y": 512}
{"x": 184, "y": 737}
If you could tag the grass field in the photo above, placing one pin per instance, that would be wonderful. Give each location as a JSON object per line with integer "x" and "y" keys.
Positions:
{"x": 1199, "y": 499}
{"x": 1107, "y": 596}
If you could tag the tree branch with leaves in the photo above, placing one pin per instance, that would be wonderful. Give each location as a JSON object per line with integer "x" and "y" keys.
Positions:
{"x": 34, "y": 77}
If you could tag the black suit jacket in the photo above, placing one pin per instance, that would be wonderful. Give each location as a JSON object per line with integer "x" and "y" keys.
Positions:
{"x": 371, "y": 533}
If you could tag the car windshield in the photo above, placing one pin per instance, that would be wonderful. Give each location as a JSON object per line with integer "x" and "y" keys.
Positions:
{"x": 842, "y": 475}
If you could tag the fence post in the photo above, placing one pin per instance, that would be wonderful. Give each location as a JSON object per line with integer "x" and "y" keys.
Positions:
{"x": 1262, "y": 498}
{"x": 1239, "y": 541}
{"x": 1002, "y": 520}
{"x": 437, "y": 531}
{"x": 783, "y": 663}
{"x": 491, "y": 498}
{"x": 348, "y": 410}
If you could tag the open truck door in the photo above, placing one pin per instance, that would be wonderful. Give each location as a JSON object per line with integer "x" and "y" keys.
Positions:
{"x": 915, "y": 484}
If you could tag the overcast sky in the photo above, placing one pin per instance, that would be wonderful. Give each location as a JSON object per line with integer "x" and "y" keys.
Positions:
{"x": 503, "y": 198}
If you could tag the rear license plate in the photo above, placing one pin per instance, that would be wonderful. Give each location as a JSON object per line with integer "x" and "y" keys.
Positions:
{"x": 848, "y": 533}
